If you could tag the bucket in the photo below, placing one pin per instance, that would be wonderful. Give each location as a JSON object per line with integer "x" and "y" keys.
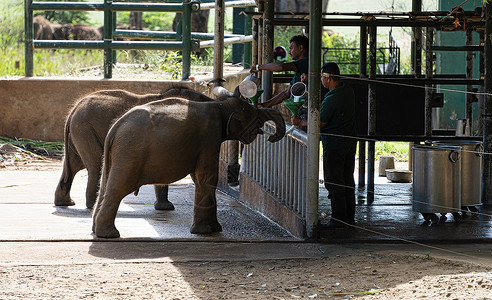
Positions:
{"x": 436, "y": 179}
{"x": 249, "y": 86}
{"x": 463, "y": 127}
{"x": 298, "y": 90}
{"x": 471, "y": 170}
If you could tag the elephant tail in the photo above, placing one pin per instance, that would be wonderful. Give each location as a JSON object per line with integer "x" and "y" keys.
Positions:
{"x": 108, "y": 143}
{"x": 72, "y": 160}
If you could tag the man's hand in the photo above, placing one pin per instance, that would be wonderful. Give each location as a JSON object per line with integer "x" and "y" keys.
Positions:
{"x": 254, "y": 69}
{"x": 304, "y": 77}
{"x": 296, "y": 121}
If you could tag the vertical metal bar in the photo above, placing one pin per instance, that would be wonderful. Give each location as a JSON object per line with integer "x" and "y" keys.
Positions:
{"x": 429, "y": 54}
{"x": 268, "y": 31}
{"x": 296, "y": 177}
{"x": 487, "y": 113}
{"x": 219, "y": 40}
{"x": 416, "y": 44}
{"x": 112, "y": 30}
{"x": 186, "y": 54}
{"x": 469, "y": 74}
{"x": 247, "y": 31}
{"x": 108, "y": 37}
{"x": 314, "y": 103}
{"x": 371, "y": 101}
{"x": 29, "y": 37}
{"x": 254, "y": 43}
{"x": 481, "y": 70}
{"x": 363, "y": 74}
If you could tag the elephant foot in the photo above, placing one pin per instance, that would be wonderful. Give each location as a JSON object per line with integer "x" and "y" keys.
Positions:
{"x": 200, "y": 228}
{"x": 163, "y": 205}
{"x": 90, "y": 203}
{"x": 64, "y": 202}
{"x": 107, "y": 232}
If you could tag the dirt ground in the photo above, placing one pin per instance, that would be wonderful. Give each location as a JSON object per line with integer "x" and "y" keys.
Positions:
{"x": 342, "y": 272}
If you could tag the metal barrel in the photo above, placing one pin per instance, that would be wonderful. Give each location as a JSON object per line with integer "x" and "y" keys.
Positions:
{"x": 436, "y": 179}
{"x": 471, "y": 170}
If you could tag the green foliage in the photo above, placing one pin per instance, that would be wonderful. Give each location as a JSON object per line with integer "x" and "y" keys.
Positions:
{"x": 397, "y": 149}
{"x": 150, "y": 20}
{"x": 64, "y": 17}
{"x": 34, "y": 147}
{"x": 11, "y": 23}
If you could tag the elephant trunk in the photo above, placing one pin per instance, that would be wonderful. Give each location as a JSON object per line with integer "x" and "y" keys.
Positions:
{"x": 267, "y": 114}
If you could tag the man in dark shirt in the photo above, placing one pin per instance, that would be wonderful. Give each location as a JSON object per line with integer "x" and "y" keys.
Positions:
{"x": 338, "y": 131}
{"x": 298, "y": 50}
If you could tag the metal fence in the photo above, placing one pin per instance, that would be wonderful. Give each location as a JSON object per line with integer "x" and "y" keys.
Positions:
{"x": 186, "y": 41}
{"x": 280, "y": 168}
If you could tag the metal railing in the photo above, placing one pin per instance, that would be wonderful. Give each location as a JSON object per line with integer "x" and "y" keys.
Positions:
{"x": 186, "y": 41}
{"x": 280, "y": 168}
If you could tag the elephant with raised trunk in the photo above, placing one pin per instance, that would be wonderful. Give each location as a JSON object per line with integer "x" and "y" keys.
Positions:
{"x": 85, "y": 129}
{"x": 163, "y": 141}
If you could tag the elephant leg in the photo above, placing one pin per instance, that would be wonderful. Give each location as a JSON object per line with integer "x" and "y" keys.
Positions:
{"x": 105, "y": 214}
{"x": 161, "y": 198}
{"x": 205, "y": 205}
{"x": 71, "y": 165}
{"x": 93, "y": 179}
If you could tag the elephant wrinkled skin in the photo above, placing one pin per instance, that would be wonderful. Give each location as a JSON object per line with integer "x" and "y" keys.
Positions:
{"x": 163, "y": 141}
{"x": 85, "y": 130}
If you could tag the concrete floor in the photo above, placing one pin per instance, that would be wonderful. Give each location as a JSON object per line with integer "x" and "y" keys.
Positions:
{"x": 28, "y": 214}
{"x": 391, "y": 218}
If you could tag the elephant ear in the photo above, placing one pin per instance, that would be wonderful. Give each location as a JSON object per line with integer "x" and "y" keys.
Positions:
{"x": 266, "y": 114}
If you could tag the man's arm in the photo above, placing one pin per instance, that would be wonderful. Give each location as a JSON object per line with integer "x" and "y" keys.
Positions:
{"x": 274, "y": 67}
{"x": 276, "y": 99}
{"x": 296, "y": 121}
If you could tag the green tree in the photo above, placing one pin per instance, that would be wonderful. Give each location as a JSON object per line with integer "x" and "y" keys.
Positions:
{"x": 64, "y": 17}
{"x": 11, "y": 23}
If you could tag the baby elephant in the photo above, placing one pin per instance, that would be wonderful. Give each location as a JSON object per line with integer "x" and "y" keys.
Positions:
{"x": 163, "y": 141}
{"x": 85, "y": 130}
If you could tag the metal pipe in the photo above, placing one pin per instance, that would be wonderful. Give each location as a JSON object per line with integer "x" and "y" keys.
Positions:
{"x": 68, "y": 6}
{"x": 245, "y": 3}
{"x": 416, "y": 50}
{"x": 314, "y": 103}
{"x": 487, "y": 113}
{"x": 371, "y": 126}
{"x": 186, "y": 37}
{"x": 268, "y": 31}
{"x": 444, "y": 24}
{"x": 429, "y": 39}
{"x": 108, "y": 38}
{"x": 469, "y": 74}
{"x": 363, "y": 74}
{"x": 468, "y": 47}
{"x": 481, "y": 70}
{"x": 228, "y": 41}
{"x": 219, "y": 41}
{"x": 248, "y": 32}
{"x": 165, "y": 35}
{"x": 154, "y": 7}
{"x": 29, "y": 37}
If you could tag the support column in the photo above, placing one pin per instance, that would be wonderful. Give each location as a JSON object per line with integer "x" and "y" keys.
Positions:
{"x": 469, "y": 75}
{"x": 429, "y": 39}
{"x": 268, "y": 31}
{"x": 363, "y": 74}
{"x": 108, "y": 37}
{"x": 314, "y": 103}
{"x": 487, "y": 113}
{"x": 371, "y": 126}
{"x": 29, "y": 37}
{"x": 247, "y": 31}
{"x": 219, "y": 40}
{"x": 481, "y": 71}
{"x": 416, "y": 44}
{"x": 186, "y": 34}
